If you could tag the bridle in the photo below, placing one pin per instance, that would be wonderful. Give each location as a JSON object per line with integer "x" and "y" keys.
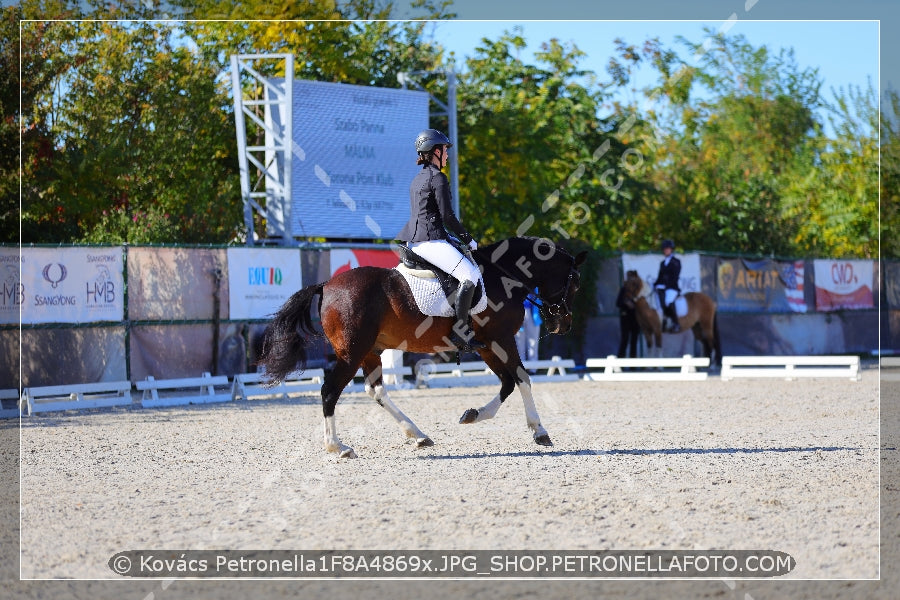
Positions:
{"x": 558, "y": 309}
{"x": 545, "y": 307}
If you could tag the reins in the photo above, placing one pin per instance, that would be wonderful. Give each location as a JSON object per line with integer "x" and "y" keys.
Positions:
{"x": 555, "y": 309}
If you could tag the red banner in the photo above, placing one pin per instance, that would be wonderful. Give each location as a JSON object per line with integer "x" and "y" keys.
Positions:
{"x": 346, "y": 259}
{"x": 844, "y": 284}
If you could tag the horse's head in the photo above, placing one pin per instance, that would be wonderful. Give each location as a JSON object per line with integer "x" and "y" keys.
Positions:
{"x": 556, "y": 272}
{"x": 634, "y": 285}
{"x": 528, "y": 263}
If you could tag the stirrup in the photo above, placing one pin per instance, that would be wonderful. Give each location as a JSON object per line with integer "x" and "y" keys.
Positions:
{"x": 465, "y": 346}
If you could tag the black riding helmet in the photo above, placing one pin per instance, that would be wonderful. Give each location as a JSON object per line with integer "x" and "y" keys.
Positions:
{"x": 668, "y": 244}
{"x": 430, "y": 138}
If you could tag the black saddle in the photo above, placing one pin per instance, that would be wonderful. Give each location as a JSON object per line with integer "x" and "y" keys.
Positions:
{"x": 448, "y": 282}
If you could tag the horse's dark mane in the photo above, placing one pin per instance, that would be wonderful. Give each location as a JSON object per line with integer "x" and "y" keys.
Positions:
{"x": 531, "y": 240}
{"x": 504, "y": 254}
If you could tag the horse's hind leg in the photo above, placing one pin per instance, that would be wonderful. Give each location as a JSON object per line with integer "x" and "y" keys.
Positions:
{"x": 376, "y": 390}
{"x": 523, "y": 381}
{"x": 335, "y": 381}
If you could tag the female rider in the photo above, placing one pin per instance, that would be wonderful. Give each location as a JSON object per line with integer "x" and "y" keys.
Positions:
{"x": 431, "y": 218}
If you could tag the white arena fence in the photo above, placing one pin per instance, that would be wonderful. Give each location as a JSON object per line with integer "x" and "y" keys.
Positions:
{"x": 647, "y": 369}
{"x": 468, "y": 373}
{"x": 790, "y": 367}
{"x": 78, "y": 396}
{"x": 245, "y": 386}
{"x": 890, "y": 368}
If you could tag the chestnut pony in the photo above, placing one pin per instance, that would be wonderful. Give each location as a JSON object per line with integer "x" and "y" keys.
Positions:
{"x": 369, "y": 309}
{"x": 700, "y": 319}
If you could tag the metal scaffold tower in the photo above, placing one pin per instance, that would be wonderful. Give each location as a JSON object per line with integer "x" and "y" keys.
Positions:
{"x": 264, "y": 144}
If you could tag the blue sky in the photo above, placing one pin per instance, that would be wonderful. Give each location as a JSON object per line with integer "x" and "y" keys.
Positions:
{"x": 844, "y": 52}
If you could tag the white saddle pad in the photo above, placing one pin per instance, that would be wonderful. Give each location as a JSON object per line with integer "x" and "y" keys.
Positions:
{"x": 429, "y": 295}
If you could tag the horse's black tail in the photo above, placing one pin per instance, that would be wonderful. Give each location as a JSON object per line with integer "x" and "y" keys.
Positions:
{"x": 284, "y": 344}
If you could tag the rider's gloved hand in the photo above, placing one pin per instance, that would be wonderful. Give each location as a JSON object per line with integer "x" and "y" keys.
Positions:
{"x": 473, "y": 245}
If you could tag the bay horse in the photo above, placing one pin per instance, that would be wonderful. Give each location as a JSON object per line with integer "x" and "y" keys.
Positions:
{"x": 700, "y": 319}
{"x": 366, "y": 310}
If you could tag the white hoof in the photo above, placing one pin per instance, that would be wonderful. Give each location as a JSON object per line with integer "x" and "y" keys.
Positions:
{"x": 341, "y": 450}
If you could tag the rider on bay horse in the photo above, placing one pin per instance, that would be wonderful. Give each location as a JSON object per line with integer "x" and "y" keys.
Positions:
{"x": 666, "y": 285}
{"x": 431, "y": 218}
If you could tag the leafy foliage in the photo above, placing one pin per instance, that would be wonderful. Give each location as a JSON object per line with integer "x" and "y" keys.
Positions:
{"x": 890, "y": 176}
{"x": 534, "y": 155}
{"x": 128, "y": 131}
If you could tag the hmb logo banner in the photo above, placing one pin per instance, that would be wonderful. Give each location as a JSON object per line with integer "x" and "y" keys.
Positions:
{"x": 12, "y": 292}
{"x": 260, "y": 280}
{"x": 67, "y": 285}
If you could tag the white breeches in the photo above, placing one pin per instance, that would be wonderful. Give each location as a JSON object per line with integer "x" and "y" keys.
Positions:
{"x": 445, "y": 256}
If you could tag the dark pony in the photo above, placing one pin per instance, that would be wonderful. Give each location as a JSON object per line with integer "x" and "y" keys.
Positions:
{"x": 700, "y": 318}
{"x": 366, "y": 310}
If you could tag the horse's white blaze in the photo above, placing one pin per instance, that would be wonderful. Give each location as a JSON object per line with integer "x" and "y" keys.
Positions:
{"x": 489, "y": 410}
{"x": 380, "y": 395}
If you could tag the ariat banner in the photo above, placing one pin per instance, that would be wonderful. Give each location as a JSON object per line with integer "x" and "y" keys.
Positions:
{"x": 70, "y": 285}
{"x": 760, "y": 285}
{"x": 261, "y": 280}
{"x": 844, "y": 284}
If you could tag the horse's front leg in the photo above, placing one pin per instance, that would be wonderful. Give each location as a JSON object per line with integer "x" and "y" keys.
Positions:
{"x": 508, "y": 382}
{"x": 376, "y": 390}
{"x": 474, "y": 415}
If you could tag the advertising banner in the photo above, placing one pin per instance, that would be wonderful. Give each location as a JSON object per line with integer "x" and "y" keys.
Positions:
{"x": 647, "y": 266}
{"x": 176, "y": 283}
{"x": 261, "y": 280}
{"x": 69, "y": 285}
{"x": 63, "y": 355}
{"x": 844, "y": 284}
{"x": 346, "y": 259}
{"x": 760, "y": 285}
{"x": 12, "y": 292}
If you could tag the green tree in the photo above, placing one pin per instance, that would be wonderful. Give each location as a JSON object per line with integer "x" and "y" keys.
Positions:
{"x": 42, "y": 63}
{"x": 535, "y": 157}
{"x": 830, "y": 196}
{"x": 729, "y": 130}
{"x": 137, "y": 129}
{"x": 140, "y": 132}
{"x": 890, "y": 176}
{"x": 354, "y": 42}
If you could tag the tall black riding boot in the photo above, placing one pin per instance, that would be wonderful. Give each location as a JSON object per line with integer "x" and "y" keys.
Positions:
{"x": 461, "y": 334}
{"x": 673, "y": 314}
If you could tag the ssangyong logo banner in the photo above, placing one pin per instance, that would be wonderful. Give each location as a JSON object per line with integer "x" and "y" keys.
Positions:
{"x": 64, "y": 285}
{"x": 260, "y": 280}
